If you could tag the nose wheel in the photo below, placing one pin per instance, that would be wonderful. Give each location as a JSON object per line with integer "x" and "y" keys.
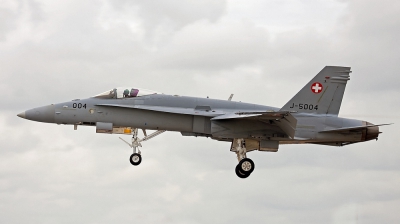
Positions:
{"x": 135, "y": 159}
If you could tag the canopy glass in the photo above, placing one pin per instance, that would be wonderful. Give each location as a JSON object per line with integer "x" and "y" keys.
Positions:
{"x": 125, "y": 92}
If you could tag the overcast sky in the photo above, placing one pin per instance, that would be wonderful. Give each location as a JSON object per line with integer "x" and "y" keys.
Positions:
{"x": 262, "y": 51}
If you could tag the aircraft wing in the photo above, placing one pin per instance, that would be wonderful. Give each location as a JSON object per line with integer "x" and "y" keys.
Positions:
{"x": 346, "y": 129}
{"x": 283, "y": 119}
{"x": 174, "y": 110}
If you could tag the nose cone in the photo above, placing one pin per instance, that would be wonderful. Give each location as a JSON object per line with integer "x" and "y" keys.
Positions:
{"x": 41, "y": 114}
{"x": 21, "y": 115}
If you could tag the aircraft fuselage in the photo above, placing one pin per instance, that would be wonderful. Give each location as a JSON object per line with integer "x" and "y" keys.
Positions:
{"x": 89, "y": 112}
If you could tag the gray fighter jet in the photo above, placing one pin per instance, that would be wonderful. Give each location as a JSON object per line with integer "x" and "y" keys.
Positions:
{"x": 311, "y": 116}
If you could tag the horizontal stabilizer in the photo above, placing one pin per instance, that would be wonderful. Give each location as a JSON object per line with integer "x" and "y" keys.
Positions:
{"x": 357, "y": 128}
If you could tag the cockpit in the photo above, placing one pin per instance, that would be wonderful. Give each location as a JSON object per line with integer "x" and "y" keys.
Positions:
{"x": 125, "y": 92}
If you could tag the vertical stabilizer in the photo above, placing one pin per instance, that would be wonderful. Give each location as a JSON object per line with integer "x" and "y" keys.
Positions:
{"x": 323, "y": 94}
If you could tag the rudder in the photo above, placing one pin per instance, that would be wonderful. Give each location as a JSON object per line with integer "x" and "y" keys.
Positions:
{"x": 323, "y": 94}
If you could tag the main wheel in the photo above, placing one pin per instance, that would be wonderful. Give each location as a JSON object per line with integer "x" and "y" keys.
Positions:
{"x": 246, "y": 166}
{"x": 239, "y": 173}
{"x": 135, "y": 159}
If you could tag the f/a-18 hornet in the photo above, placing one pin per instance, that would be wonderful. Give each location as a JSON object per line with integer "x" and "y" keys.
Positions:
{"x": 311, "y": 116}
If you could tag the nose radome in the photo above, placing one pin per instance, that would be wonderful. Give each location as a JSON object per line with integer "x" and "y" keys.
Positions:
{"x": 21, "y": 115}
{"x": 41, "y": 114}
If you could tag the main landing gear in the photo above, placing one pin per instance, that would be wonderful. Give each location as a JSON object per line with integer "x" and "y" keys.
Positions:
{"x": 136, "y": 157}
{"x": 246, "y": 165}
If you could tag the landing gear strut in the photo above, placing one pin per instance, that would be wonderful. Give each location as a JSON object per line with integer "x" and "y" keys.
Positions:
{"x": 136, "y": 157}
{"x": 246, "y": 165}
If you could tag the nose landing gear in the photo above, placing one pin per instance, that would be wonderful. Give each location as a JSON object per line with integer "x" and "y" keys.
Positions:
{"x": 136, "y": 157}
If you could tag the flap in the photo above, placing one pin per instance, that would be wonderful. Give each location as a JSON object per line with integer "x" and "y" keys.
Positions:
{"x": 283, "y": 119}
{"x": 288, "y": 124}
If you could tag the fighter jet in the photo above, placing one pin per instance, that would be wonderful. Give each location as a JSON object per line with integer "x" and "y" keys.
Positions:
{"x": 311, "y": 116}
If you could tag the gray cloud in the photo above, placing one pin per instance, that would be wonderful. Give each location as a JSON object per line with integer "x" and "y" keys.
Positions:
{"x": 7, "y": 22}
{"x": 205, "y": 46}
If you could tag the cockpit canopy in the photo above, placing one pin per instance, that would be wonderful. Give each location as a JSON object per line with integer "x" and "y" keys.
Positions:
{"x": 125, "y": 92}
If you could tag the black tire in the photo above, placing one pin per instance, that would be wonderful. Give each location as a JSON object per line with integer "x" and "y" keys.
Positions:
{"x": 240, "y": 174}
{"x": 246, "y": 166}
{"x": 135, "y": 159}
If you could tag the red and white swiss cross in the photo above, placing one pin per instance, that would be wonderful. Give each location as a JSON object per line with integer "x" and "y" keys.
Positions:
{"x": 317, "y": 87}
